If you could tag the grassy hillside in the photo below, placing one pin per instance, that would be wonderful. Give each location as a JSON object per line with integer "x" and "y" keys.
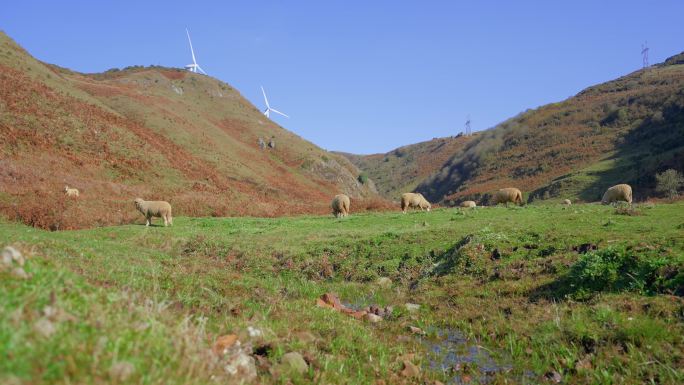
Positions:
{"x": 157, "y": 133}
{"x": 402, "y": 169}
{"x": 503, "y": 295}
{"x": 623, "y": 131}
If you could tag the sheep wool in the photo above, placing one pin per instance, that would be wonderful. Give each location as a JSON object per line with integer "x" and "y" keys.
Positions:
{"x": 618, "y": 193}
{"x": 149, "y": 209}
{"x": 340, "y": 206}
{"x": 70, "y": 192}
{"x": 509, "y": 194}
{"x": 414, "y": 200}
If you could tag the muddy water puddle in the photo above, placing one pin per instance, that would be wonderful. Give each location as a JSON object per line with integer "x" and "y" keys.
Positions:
{"x": 450, "y": 352}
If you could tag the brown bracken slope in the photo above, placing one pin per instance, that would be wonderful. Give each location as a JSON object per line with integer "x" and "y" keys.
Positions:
{"x": 622, "y": 131}
{"x": 402, "y": 169}
{"x": 155, "y": 133}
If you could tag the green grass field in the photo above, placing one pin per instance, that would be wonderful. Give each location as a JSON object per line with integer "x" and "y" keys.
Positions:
{"x": 588, "y": 294}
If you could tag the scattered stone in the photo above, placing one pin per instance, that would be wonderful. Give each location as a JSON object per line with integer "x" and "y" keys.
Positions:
{"x": 329, "y": 300}
{"x": 224, "y": 342}
{"x": 416, "y": 330}
{"x": 553, "y": 376}
{"x": 19, "y": 272}
{"x": 10, "y": 254}
{"x": 44, "y": 327}
{"x": 294, "y": 361}
{"x": 384, "y": 282}
{"x": 372, "y": 318}
{"x": 121, "y": 371}
{"x": 240, "y": 366}
{"x": 412, "y": 307}
{"x": 410, "y": 370}
{"x": 254, "y": 332}
{"x": 359, "y": 314}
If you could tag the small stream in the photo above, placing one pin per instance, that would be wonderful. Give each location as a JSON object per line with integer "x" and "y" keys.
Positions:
{"x": 450, "y": 352}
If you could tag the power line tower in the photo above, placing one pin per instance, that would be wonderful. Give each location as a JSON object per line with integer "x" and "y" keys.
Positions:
{"x": 468, "y": 132}
{"x": 644, "y": 53}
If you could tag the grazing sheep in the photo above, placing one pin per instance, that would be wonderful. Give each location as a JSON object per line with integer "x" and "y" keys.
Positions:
{"x": 151, "y": 209}
{"x": 617, "y": 193}
{"x": 414, "y": 200}
{"x": 468, "y": 204}
{"x": 567, "y": 202}
{"x": 340, "y": 205}
{"x": 510, "y": 194}
{"x": 70, "y": 192}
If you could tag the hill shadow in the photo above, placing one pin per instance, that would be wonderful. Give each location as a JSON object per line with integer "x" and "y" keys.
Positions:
{"x": 655, "y": 145}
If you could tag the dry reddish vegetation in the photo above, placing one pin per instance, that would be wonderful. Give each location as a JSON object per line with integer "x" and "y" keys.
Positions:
{"x": 634, "y": 119}
{"x": 401, "y": 170}
{"x": 125, "y": 138}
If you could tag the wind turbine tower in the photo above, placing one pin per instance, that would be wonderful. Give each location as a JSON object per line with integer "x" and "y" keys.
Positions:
{"x": 644, "y": 53}
{"x": 268, "y": 109}
{"x": 194, "y": 67}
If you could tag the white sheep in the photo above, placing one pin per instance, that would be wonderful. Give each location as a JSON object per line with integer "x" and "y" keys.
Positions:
{"x": 509, "y": 194}
{"x": 151, "y": 209}
{"x": 340, "y": 205}
{"x": 70, "y": 192}
{"x": 567, "y": 202}
{"x": 617, "y": 193}
{"x": 414, "y": 200}
{"x": 468, "y": 204}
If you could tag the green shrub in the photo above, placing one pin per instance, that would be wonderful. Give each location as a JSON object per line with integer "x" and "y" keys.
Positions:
{"x": 642, "y": 270}
{"x": 363, "y": 178}
{"x": 669, "y": 182}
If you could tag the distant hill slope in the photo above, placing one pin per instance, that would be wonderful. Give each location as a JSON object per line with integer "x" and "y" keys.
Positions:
{"x": 402, "y": 169}
{"x": 622, "y": 131}
{"x": 156, "y": 133}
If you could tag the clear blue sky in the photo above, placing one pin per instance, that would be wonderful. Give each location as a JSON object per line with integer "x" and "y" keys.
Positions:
{"x": 365, "y": 76}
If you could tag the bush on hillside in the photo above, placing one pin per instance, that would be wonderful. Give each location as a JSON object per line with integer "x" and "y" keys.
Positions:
{"x": 669, "y": 182}
{"x": 644, "y": 270}
{"x": 363, "y": 178}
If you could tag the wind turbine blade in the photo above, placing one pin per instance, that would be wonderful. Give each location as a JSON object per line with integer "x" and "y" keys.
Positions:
{"x": 265, "y": 98}
{"x": 191, "y": 50}
{"x": 278, "y": 112}
{"x": 266, "y": 112}
{"x": 201, "y": 70}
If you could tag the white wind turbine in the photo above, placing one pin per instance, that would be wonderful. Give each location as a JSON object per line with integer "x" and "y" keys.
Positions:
{"x": 268, "y": 109}
{"x": 194, "y": 67}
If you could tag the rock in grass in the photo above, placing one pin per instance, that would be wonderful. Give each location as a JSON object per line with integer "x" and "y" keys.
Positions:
{"x": 223, "y": 343}
{"x": 44, "y": 327}
{"x": 383, "y": 281}
{"x": 372, "y": 318}
{"x": 254, "y": 332}
{"x": 410, "y": 370}
{"x": 241, "y": 368}
{"x": 416, "y": 330}
{"x": 553, "y": 376}
{"x": 412, "y": 307}
{"x": 295, "y": 362}
{"x": 121, "y": 371}
{"x": 19, "y": 272}
{"x": 10, "y": 254}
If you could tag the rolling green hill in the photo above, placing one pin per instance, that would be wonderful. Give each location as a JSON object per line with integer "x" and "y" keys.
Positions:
{"x": 153, "y": 132}
{"x": 622, "y": 131}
